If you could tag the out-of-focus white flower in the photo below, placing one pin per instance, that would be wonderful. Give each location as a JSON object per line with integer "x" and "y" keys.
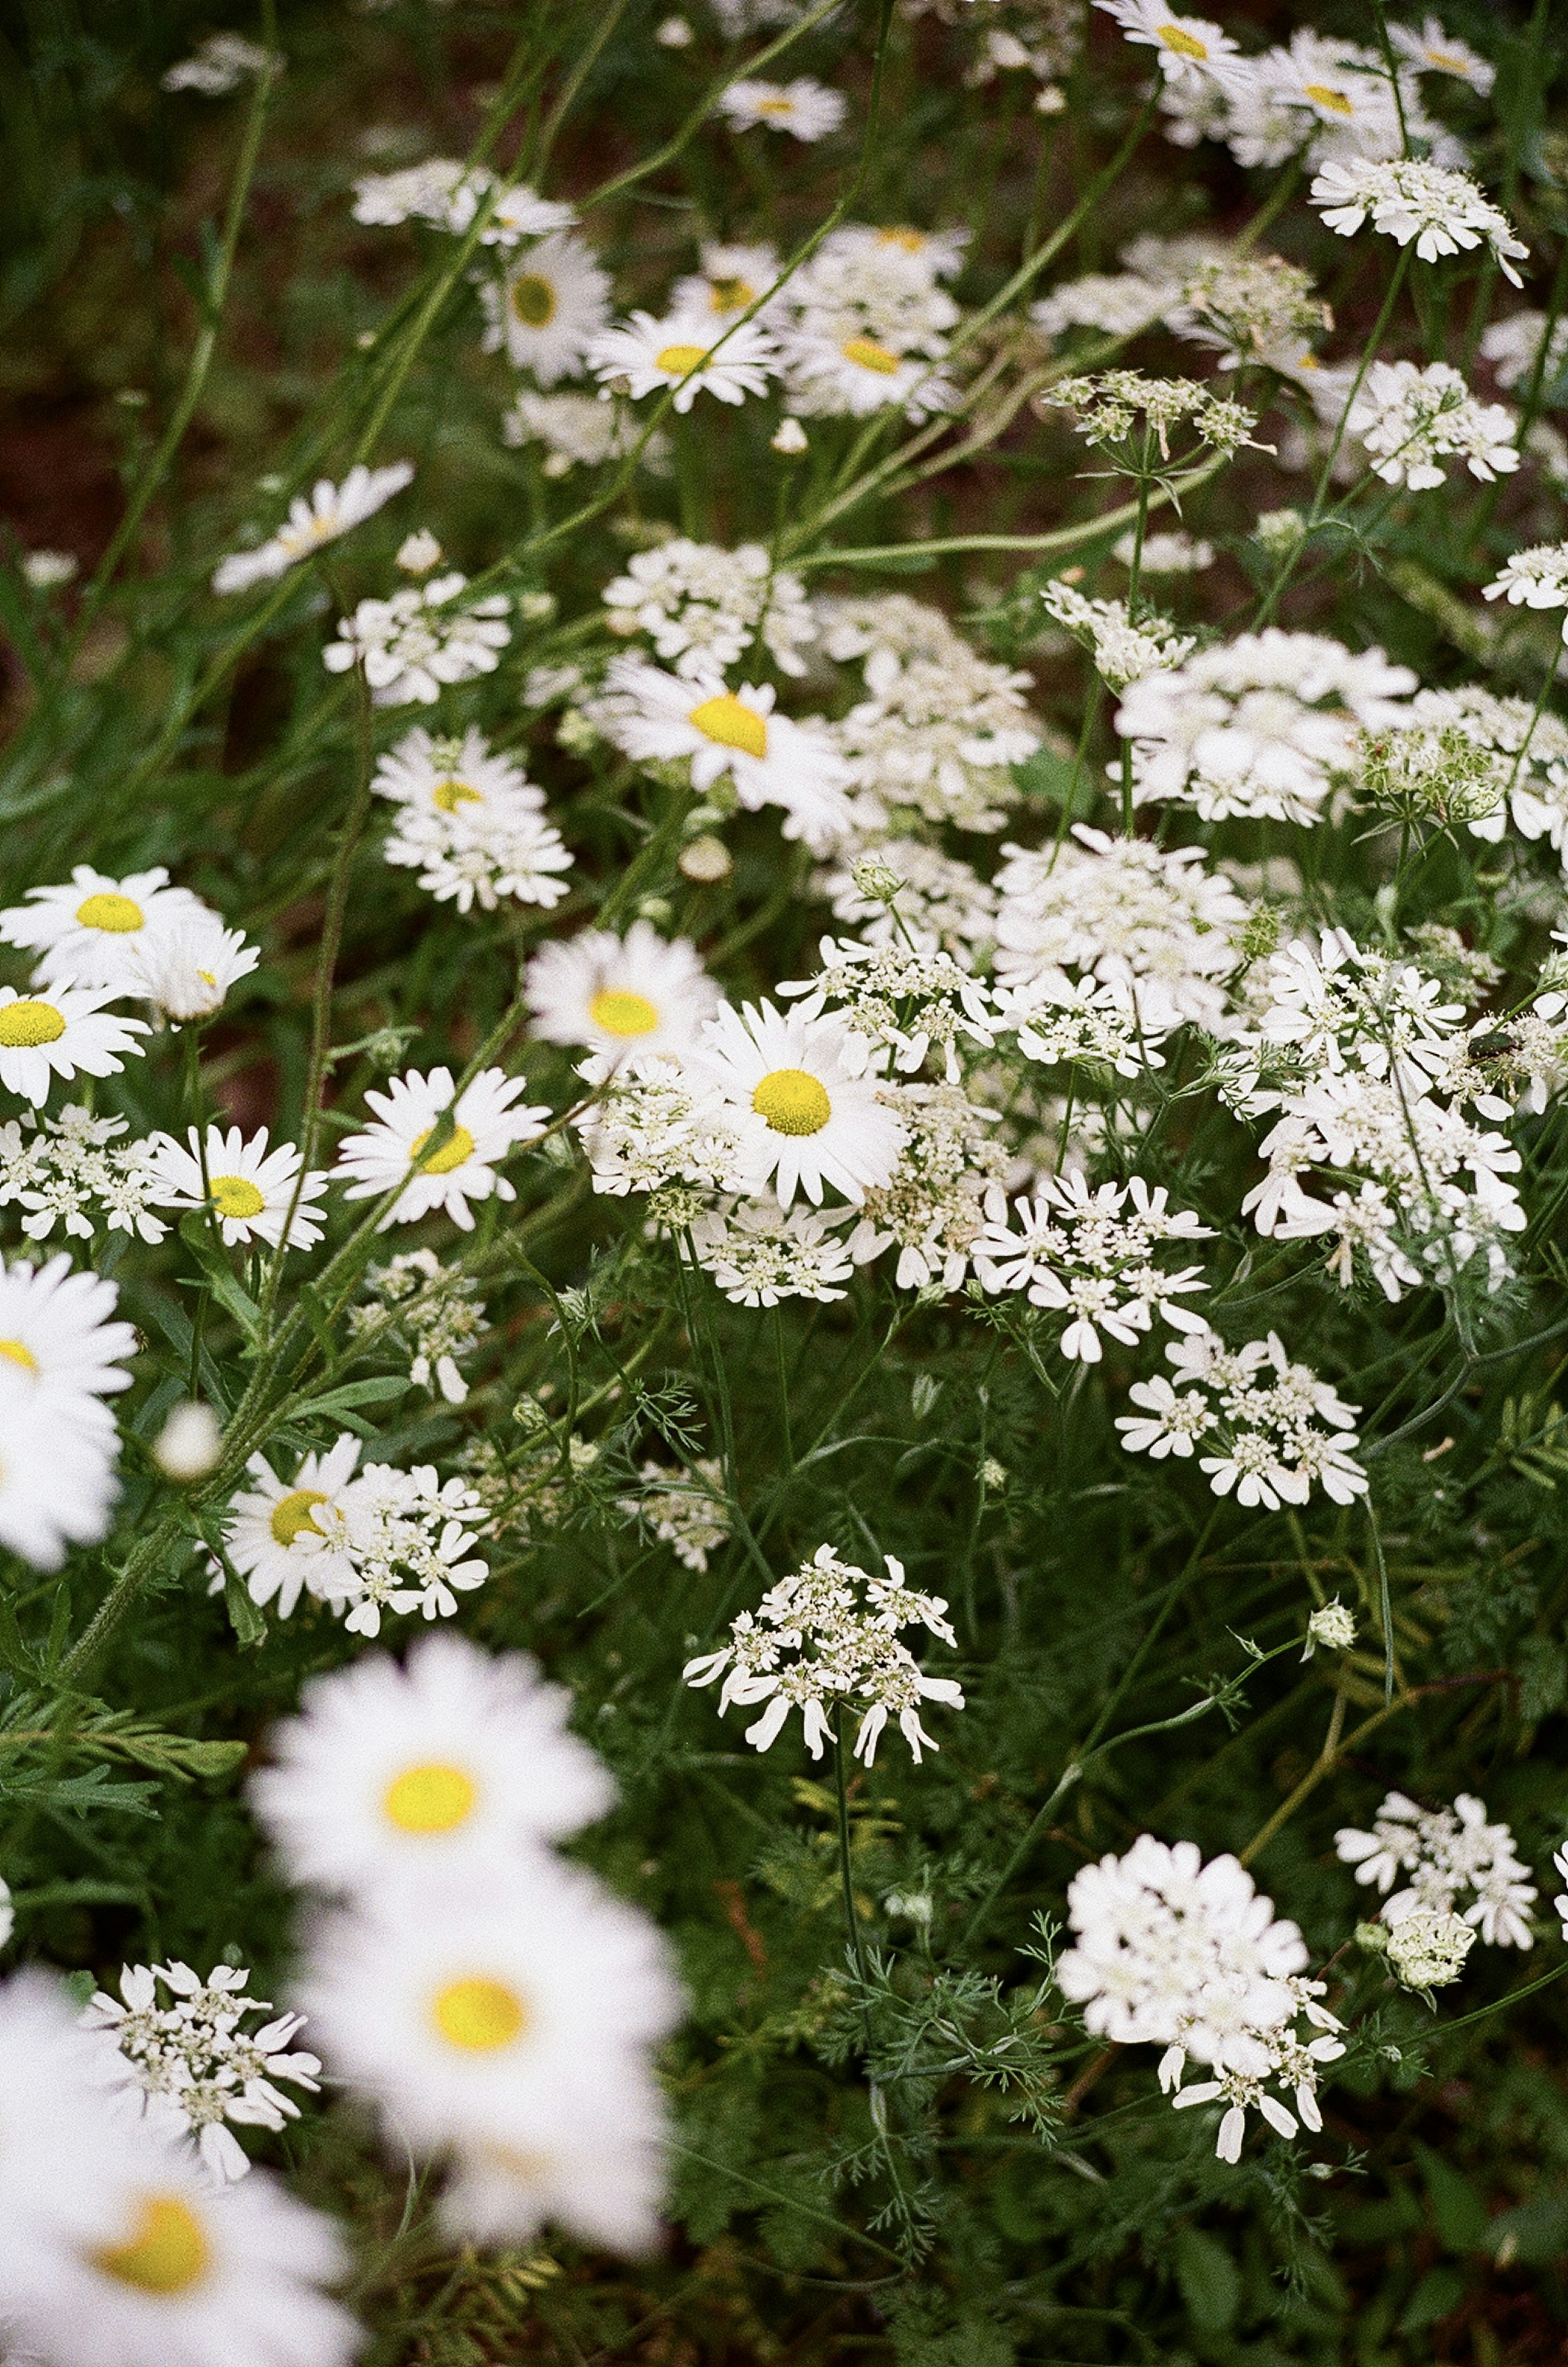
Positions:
{"x": 46, "y": 571}
{"x": 1190, "y": 49}
{"x": 1446, "y": 1853}
{"x": 808, "y": 108}
{"x": 223, "y": 62}
{"x": 546, "y": 310}
{"x": 190, "y": 1442}
{"x": 684, "y": 353}
{"x": 1433, "y": 50}
{"x": 1332, "y": 1626}
{"x": 420, "y": 641}
{"x": 329, "y": 511}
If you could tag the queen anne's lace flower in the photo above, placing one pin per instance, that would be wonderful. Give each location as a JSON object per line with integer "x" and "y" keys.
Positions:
{"x": 913, "y": 1003}
{"x": 931, "y": 1206}
{"x": 1443, "y": 212}
{"x": 432, "y": 1310}
{"x": 703, "y": 606}
{"x": 827, "y": 1634}
{"x": 1123, "y": 650}
{"x": 1090, "y": 1255}
{"x": 1275, "y": 1427}
{"x": 75, "y": 1171}
{"x": 759, "y": 1253}
{"x": 685, "y": 1509}
{"x": 1409, "y": 419}
{"x": 424, "y": 638}
{"x": 1447, "y": 1853}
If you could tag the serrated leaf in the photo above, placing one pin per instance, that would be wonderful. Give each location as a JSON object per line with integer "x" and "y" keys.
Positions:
{"x": 244, "y": 1618}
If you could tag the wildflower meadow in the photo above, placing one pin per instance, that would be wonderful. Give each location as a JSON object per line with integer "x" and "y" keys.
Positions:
{"x": 783, "y": 1183}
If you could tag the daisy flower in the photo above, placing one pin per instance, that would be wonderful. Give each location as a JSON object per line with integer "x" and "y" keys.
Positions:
{"x": 58, "y": 2152}
{"x": 248, "y": 1187}
{"x": 451, "y": 1764}
{"x": 732, "y": 281}
{"x": 1190, "y": 48}
{"x": 678, "y": 352}
{"x": 329, "y": 511}
{"x": 637, "y": 993}
{"x": 808, "y": 108}
{"x": 938, "y": 253}
{"x": 84, "y": 931}
{"x": 272, "y": 1537}
{"x": 179, "y": 2271}
{"x": 517, "y": 2011}
{"x": 186, "y": 968}
{"x": 660, "y": 717}
{"x": 814, "y": 1084}
{"x": 549, "y": 309}
{"x": 451, "y": 777}
{"x": 602, "y": 2174}
{"x": 55, "y": 1329}
{"x": 66, "y": 1033}
{"x": 1433, "y": 51}
{"x": 486, "y": 1126}
{"x": 57, "y": 1479}
{"x": 831, "y": 376}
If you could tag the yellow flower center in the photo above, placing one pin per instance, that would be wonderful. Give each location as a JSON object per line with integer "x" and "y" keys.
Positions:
{"x": 677, "y": 360}
{"x": 793, "y": 1102}
{"x": 620, "y": 1013}
{"x": 533, "y": 301}
{"x": 24, "y": 1025}
{"x": 451, "y": 1154}
{"x": 780, "y": 106}
{"x": 1444, "y": 64}
{"x": 429, "y": 1799}
{"x": 480, "y": 2015}
{"x": 118, "y": 914}
{"x": 18, "y": 1355}
{"x": 451, "y": 794}
{"x": 1185, "y": 44}
{"x": 731, "y": 295}
{"x": 911, "y": 240}
{"x": 167, "y": 2253}
{"x": 1335, "y": 100}
{"x": 291, "y": 1514}
{"x": 729, "y": 722}
{"x": 235, "y": 1196}
{"x": 867, "y": 355}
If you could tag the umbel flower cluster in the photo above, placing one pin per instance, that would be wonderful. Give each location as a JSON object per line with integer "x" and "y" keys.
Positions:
{"x": 780, "y": 873}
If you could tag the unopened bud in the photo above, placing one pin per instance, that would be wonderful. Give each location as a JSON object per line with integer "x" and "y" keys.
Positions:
{"x": 704, "y": 860}
{"x": 188, "y": 1445}
{"x": 789, "y": 440}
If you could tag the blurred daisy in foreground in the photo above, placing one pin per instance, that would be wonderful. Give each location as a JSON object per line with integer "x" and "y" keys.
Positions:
{"x": 549, "y": 309}
{"x": 813, "y": 1084}
{"x": 637, "y": 993}
{"x": 273, "y": 1538}
{"x": 647, "y": 354}
{"x": 66, "y": 1032}
{"x": 85, "y": 931}
{"x": 57, "y": 1477}
{"x": 1190, "y": 48}
{"x": 55, "y": 1329}
{"x": 250, "y": 1189}
{"x": 448, "y": 1173}
{"x": 186, "y": 969}
{"x": 730, "y": 281}
{"x": 659, "y": 718}
{"x": 447, "y": 1766}
{"x": 329, "y": 511}
{"x": 808, "y": 108}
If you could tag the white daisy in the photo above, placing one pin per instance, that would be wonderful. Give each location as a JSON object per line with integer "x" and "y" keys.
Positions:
{"x": 82, "y": 931}
{"x": 272, "y": 1537}
{"x": 186, "y": 966}
{"x": 66, "y": 1032}
{"x": 830, "y": 377}
{"x": 657, "y": 717}
{"x": 938, "y": 253}
{"x": 808, "y": 108}
{"x": 57, "y": 1479}
{"x": 513, "y": 2014}
{"x": 248, "y": 1187}
{"x": 180, "y": 2271}
{"x": 641, "y": 992}
{"x": 486, "y": 1126}
{"x": 1190, "y": 50}
{"x": 649, "y": 353}
{"x": 55, "y": 1329}
{"x": 814, "y": 1083}
{"x": 331, "y": 510}
{"x": 451, "y": 777}
{"x": 1434, "y": 51}
{"x": 59, "y": 2151}
{"x": 449, "y": 1765}
{"x": 732, "y": 281}
{"x": 549, "y": 309}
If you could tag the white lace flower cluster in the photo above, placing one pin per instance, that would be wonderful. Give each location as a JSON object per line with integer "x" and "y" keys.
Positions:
{"x": 75, "y": 1171}
{"x": 193, "y": 2065}
{"x": 1123, "y": 650}
{"x": 496, "y": 2006}
{"x": 758, "y": 1253}
{"x": 1425, "y": 1187}
{"x": 420, "y": 641}
{"x": 1410, "y": 419}
{"x": 1533, "y": 750}
{"x": 1274, "y": 1428}
{"x": 915, "y": 1003}
{"x": 686, "y": 1510}
{"x": 1443, "y": 212}
{"x": 933, "y": 1208}
{"x": 1092, "y": 1255}
{"x": 829, "y": 1634}
{"x": 435, "y": 1313}
{"x": 1135, "y": 415}
{"x": 704, "y": 605}
{"x": 905, "y": 892}
{"x": 1263, "y": 725}
{"x": 1148, "y": 924}
{"x": 470, "y": 824}
{"x": 1171, "y": 1953}
{"x": 1448, "y": 1855}
{"x": 381, "y": 1540}
{"x": 448, "y": 195}
{"x": 578, "y": 431}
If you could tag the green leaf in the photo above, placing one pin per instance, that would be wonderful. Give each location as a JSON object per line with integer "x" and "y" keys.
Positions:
{"x": 376, "y": 1392}
{"x": 1440, "y": 2291}
{"x": 1458, "y": 2209}
{"x": 1208, "y": 2280}
{"x": 244, "y": 1618}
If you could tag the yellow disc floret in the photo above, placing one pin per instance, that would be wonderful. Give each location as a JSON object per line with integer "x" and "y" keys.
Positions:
{"x": 478, "y": 2014}
{"x": 1185, "y": 44}
{"x": 450, "y": 794}
{"x": 118, "y": 914}
{"x": 15, "y": 1351}
{"x": 430, "y": 1798}
{"x": 733, "y": 724}
{"x": 24, "y": 1025}
{"x": 291, "y": 1514}
{"x": 677, "y": 360}
{"x": 533, "y": 301}
{"x": 166, "y": 2253}
{"x": 731, "y": 295}
{"x": 867, "y": 355}
{"x": 793, "y": 1102}
{"x": 450, "y": 1155}
{"x": 619, "y": 1012}
{"x": 1334, "y": 100}
{"x": 235, "y": 1196}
